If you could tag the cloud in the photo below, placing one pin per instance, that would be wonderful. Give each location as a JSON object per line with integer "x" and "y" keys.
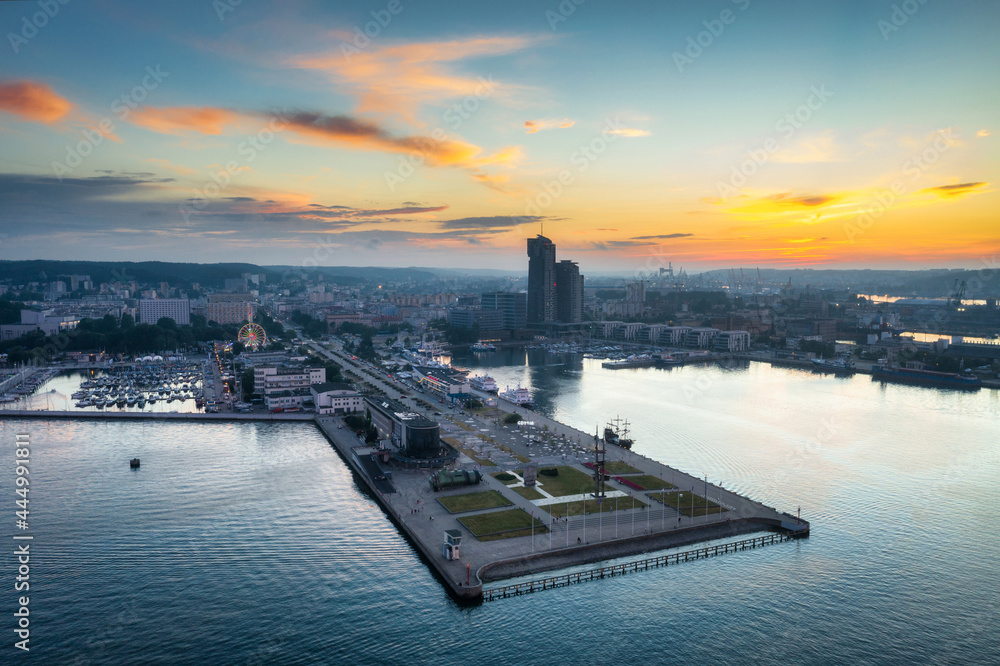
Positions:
{"x": 491, "y": 222}
{"x": 534, "y": 126}
{"x": 629, "y": 132}
{"x": 662, "y": 236}
{"x": 367, "y": 135}
{"x": 337, "y": 129}
{"x": 618, "y": 244}
{"x": 182, "y": 120}
{"x": 397, "y": 80}
{"x": 958, "y": 190}
{"x": 983, "y": 132}
{"x": 785, "y": 200}
{"x": 33, "y": 101}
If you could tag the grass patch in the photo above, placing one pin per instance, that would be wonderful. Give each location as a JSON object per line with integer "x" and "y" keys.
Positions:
{"x": 501, "y": 524}
{"x": 489, "y": 499}
{"x": 570, "y": 481}
{"x": 486, "y": 462}
{"x": 528, "y": 493}
{"x": 683, "y": 504}
{"x": 576, "y": 508}
{"x": 618, "y": 467}
{"x": 500, "y": 476}
{"x": 650, "y": 482}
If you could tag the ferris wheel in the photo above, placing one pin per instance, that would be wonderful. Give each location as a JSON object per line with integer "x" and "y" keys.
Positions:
{"x": 253, "y": 336}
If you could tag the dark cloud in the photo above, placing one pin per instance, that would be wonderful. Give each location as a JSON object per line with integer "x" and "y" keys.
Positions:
{"x": 809, "y": 201}
{"x": 955, "y": 190}
{"x": 662, "y": 236}
{"x": 491, "y": 222}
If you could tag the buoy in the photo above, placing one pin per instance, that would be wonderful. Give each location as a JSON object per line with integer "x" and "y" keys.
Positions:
{"x": 133, "y": 463}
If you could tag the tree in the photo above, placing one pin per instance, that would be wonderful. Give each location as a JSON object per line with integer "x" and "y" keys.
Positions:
{"x": 247, "y": 380}
{"x": 128, "y": 321}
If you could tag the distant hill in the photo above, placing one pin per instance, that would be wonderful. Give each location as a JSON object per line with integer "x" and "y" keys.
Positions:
{"x": 212, "y": 275}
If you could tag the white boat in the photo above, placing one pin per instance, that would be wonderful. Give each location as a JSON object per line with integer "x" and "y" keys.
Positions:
{"x": 484, "y": 383}
{"x": 833, "y": 364}
{"x": 482, "y": 347}
{"x": 519, "y": 396}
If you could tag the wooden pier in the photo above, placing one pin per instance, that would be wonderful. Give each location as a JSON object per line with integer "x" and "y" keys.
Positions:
{"x": 528, "y": 587}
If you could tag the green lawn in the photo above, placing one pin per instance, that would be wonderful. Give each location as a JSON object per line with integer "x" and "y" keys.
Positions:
{"x": 650, "y": 482}
{"x": 618, "y": 467}
{"x": 683, "y": 504}
{"x": 528, "y": 493}
{"x": 489, "y": 499}
{"x": 570, "y": 481}
{"x": 576, "y": 508}
{"x": 506, "y": 482}
{"x": 501, "y": 524}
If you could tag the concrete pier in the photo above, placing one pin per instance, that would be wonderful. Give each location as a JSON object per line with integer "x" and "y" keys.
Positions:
{"x": 557, "y": 542}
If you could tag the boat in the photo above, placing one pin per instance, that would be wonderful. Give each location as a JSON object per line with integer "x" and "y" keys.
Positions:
{"x": 484, "y": 383}
{"x": 637, "y": 361}
{"x": 482, "y": 347}
{"x": 519, "y": 396}
{"x": 967, "y": 382}
{"x": 616, "y": 432}
{"x": 834, "y": 364}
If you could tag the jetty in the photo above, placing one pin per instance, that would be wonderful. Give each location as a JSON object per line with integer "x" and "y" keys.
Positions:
{"x": 557, "y": 531}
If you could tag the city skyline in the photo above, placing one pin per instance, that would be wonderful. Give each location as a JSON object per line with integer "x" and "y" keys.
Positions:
{"x": 857, "y": 135}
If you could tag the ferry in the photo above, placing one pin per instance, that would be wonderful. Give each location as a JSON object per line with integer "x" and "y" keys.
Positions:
{"x": 519, "y": 396}
{"x": 968, "y": 382}
{"x": 482, "y": 347}
{"x": 484, "y": 383}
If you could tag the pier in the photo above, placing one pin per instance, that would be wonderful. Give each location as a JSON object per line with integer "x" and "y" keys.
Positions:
{"x": 517, "y": 589}
{"x": 557, "y": 534}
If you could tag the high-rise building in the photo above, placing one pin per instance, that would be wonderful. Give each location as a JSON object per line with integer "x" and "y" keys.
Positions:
{"x": 541, "y": 306}
{"x": 569, "y": 292}
{"x": 151, "y": 310}
{"x": 635, "y": 292}
{"x": 513, "y": 305}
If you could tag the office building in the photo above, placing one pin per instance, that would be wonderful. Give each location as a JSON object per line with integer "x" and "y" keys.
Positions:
{"x": 513, "y": 305}
{"x": 569, "y": 292}
{"x": 541, "y": 306}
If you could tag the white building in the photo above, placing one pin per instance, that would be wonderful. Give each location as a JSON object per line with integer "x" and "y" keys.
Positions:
{"x": 336, "y": 398}
{"x": 271, "y": 380}
{"x": 732, "y": 341}
{"x": 45, "y": 321}
{"x": 151, "y": 310}
{"x": 673, "y": 336}
{"x": 700, "y": 337}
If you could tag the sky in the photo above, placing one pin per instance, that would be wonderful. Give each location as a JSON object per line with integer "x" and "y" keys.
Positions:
{"x": 702, "y": 134}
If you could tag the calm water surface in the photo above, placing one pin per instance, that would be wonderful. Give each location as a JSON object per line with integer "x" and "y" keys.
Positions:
{"x": 253, "y": 543}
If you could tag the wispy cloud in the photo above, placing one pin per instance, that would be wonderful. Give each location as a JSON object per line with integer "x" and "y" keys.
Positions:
{"x": 662, "y": 236}
{"x": 334, "y": 129}
{"x": 534, "y": 126}
{"x": 957, "y": 190}
{"x": 629, "y": 132}
{"x": 398, "y": 79}
{"x": 33, "y": 101}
